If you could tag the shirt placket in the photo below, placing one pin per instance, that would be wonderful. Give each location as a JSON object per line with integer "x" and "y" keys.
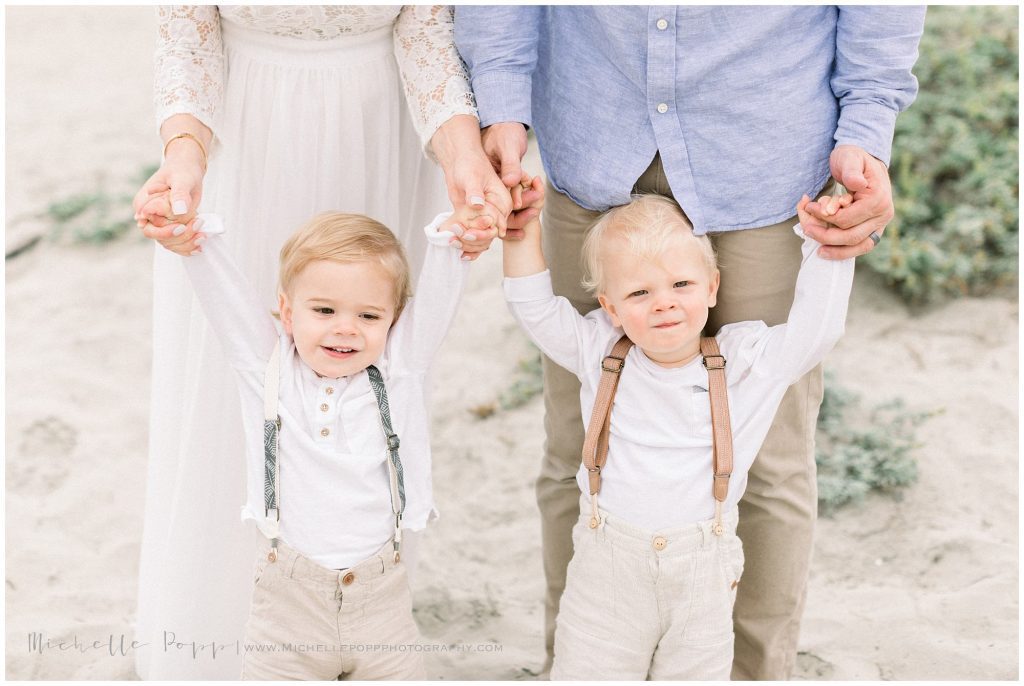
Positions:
{"x": 662, "y": 96}
{"x": 325, "y": 414}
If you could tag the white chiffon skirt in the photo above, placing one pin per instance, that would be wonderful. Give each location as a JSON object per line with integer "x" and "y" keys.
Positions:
{"x": 306, "y": 126}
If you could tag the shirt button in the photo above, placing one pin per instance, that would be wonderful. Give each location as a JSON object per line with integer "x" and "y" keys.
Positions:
{"x": 663, "y": 108}
{"x": 325, "y": 432}
{"x": 662, "y": 24}
{"x": 329, "y": 390}
{"x": 325, "y": 407}
{"x": 660, "y": 543}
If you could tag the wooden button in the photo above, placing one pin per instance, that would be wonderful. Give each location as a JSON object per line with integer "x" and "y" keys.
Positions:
{"x": 324, "y": 407}
{"x": 325, "y": 432}
{"x": 593, "y": 522}
{"x": 329, "y": 390}
{"x": 348, "y": 579}
{"x": 660, "y": 543}
{"x": 272, "y": 556}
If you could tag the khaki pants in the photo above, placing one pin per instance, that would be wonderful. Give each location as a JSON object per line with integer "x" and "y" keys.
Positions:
{"x": 778, "y": 511}
{"x": 308, "y": 622}
{"x": 648, "y": 605}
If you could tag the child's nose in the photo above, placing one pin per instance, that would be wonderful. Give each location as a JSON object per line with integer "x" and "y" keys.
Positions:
{"x": 664, "y": 301}
{"x": 345, "y": 325}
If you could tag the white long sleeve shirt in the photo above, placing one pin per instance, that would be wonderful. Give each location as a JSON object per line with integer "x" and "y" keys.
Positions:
{"x": 335, "y": 498}
{"x": 659, "y": 469}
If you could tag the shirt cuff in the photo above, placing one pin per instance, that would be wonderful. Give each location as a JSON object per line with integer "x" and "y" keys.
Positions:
{"x": 433, "y": 230}
{"x": 868, "y": 126}
{"x": 503, "y": 96}
{"x": 524, "y": 289}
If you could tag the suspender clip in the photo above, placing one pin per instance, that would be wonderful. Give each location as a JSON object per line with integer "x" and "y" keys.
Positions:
{"x": 612, "y": 364}
{"x": 393, "y": 442}
{"x": 714, "y": 362}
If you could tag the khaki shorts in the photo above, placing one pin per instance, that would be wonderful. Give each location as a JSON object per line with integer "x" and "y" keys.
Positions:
{"x": 309, "y": 622}
{"x": 641, "y": 604}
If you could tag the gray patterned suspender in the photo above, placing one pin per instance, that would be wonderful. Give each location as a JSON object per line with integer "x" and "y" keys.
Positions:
{"x": 395, "y": 472}
{"x": 271, "y": 440}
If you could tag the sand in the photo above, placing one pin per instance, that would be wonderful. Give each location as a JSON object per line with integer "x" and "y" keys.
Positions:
{"x": 921, "y": 587}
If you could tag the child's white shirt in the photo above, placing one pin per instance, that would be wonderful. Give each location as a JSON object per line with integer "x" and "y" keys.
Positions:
{"x": 334, "y": 492}
{"x": 659, "y": 469}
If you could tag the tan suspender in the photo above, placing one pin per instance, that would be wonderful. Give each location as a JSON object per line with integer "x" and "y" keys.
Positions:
{"x": 595, "y": 446}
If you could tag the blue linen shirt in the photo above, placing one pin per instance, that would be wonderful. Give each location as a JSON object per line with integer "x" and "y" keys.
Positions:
{"x": 745, "y": 104}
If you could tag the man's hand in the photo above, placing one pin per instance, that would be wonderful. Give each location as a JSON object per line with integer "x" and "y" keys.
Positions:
{"x": 505, "y": 144}
{"x": 867, "y": 179}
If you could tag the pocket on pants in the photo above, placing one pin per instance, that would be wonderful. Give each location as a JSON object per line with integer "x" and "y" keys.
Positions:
{"x": 588, "y": 602}
{"x": 732, "y": 561}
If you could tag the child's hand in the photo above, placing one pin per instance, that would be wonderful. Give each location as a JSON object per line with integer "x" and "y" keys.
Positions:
{"x": 473, "y": 230}
{"x": 531, "y": 196}
{"x": 830, "y": 204}
{"x": 179, "y": 234}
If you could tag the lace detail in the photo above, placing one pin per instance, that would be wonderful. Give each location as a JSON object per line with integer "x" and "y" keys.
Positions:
{"x": 436, "y": 82}
{"x": 189, "y": 60}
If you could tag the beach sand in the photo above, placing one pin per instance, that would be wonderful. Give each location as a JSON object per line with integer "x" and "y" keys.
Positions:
{"x": 920, "y": 587}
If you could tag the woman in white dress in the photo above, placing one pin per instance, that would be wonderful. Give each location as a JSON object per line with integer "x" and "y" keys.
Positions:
{"x": 300, "y": 110}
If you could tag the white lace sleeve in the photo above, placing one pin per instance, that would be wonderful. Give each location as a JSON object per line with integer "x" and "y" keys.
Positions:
{"x": 436, "y": 83}
{"x": 189, "y": 62}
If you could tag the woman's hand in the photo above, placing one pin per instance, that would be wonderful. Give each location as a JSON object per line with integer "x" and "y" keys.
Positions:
{"x": 179, "y": 180}
{"x": 468, "y": 172}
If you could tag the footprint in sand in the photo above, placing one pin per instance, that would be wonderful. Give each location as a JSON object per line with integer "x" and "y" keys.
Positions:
{"x": 44, "y": 452}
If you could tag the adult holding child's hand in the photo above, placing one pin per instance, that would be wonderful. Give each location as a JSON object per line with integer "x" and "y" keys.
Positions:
{"x": 269, "y": 115}
{"x": 856, "y": 229}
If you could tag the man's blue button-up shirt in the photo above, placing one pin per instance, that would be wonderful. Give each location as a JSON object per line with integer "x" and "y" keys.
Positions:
{"x": 745, "y": 104}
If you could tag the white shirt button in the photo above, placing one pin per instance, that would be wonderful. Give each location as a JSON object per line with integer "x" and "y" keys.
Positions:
{"x": 662, "y": 24}
{"x": 663, "y": 108}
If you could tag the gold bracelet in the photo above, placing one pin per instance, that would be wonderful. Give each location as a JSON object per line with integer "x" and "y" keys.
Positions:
{"x": 186, "y": 134}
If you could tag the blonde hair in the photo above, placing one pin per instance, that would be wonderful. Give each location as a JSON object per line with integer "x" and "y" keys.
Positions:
{"x": 647, "y": 223}
{"x": 346, "y": 238}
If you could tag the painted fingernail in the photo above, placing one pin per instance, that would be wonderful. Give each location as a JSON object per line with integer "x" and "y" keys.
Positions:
{"x": 178, "y": 230}
{"x": 476, "y": 201}
{"x": 466, "y": 258}
{"x": 457, "y": 244}
{"x": 195, "y": 252}
{"x": 457, "y": 229}
{"x": 200, "y": 240}
{"x": 198, "y": 224}
{"x": 179, "y": 207}
{"x": 469, "y": 237}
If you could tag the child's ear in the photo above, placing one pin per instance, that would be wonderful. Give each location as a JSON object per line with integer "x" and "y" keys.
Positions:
{"x": 285, "y": 308}
{"x": 716, "y": 279}
{"x": 608, "y": 307}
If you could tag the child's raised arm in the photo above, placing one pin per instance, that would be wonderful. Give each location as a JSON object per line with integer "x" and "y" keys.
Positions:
{"x": 817, "y": 317}
{"x": 523, "y": 256}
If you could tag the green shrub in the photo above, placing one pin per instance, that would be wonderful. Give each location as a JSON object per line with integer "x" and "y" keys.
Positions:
{"x": 955, "y": 162}
{"x": 860, "y": 451}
